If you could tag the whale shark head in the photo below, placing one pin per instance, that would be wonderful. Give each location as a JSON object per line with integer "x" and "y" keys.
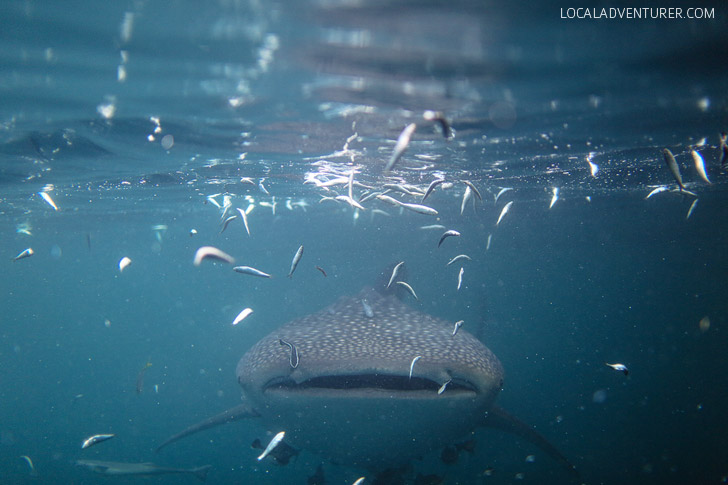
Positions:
{"x": 371, "y": 382}
{"x": 342, "y": 383}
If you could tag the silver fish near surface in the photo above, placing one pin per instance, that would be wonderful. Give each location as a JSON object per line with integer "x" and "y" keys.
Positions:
{"x": 46, "y": 197}
{"x": 458, "y": 258}
{"x": 244, "y": 216}
{"x": 95, "y": 439}
{"x": 460, "y": 277}
{"x": 408, "y": 288}
{"x": 555, "y": 197}
{"x": 210, "y": 252}
{"x": 296, "y": 259}
{"x": 262, "y": 187}
{"x": 672, "y": 165}
{"x": 474, "y": 189}
{"x": 401, "y": 145}
{"x": 25, "y": 253}
{"x": 368, "y": 312}
{"x": 293, "y": 358}
{"x": 466, "y": 197}
{"x": 226, "y": 222}
{"x": 447, "y": 234}
{"x": 443, "y": 386}
{"x": 124, "y": 263}
{"x": 251, "y": 271}
{"x": 273, "y": 443}
{"x": 620, "y": 367}
{"x": 457, "y": 326}
{"x": 350, "y": 201}
{"x": 394, "y": 273}
{"x": 503, "y": 213}
{"x": 242, "y": 316}
{"x": 420, "y": 209}
{"x": 699, "y": 165}
{"x": 436, "y": 227}
{"x": 501, "y": 192}
{"x": 412, "y": 365}
{"x": 430, "y": 188}
{"x": 487, "y": 245}
{"x": 661, "y": 188}
{"x": 691, "y": 209}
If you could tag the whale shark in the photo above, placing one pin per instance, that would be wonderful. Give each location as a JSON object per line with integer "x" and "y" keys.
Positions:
{"x": 371, "y": 382}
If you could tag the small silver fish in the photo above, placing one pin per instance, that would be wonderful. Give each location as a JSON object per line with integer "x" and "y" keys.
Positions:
{"x": 350, "y": 201}
{"x": 458, "y": 258}
{"x": 692, "y": 208}
{"x": 458, "y": 324}
{"x": 460, "y": 277}
{"x": 95, "y": 439}
{"x": 420, "y": 209}
{"x": 389, "y": 200}
{"x": 620, "y": 367}
{"x": 273, "y": 443}
{"x": 474, "y": 189}
{"x": 593, "y": 167}
{"x": 359, "y": 481}
{"x": 443, "y": 386}
{"x": 723, "y": 149}
{"x": 394, "y": 273}
{"x": 251, "y": 271}
{"x": 672, "y": 165}
{"x": 26, "y": 253}
{"x": 262, "y": 187}
{"x": 487, "y": 245}
{"x": 33, "y": 472}
{"x": 211, "y": 252}
{"x": 501, "y": 192}
{"x": 437, "y": 227}
{"x": 401, "y": 145}
{"x": 296, "y": 260}
{"x": 555, "y": 197}
{"x": 700, "y": 165}
{"x": 412, "y": 365}
{"x": 467, "y": 195}
{"x": 431, "y": 187}
{"x": 124, "y": 263}
{"x": 226, "y": 222}
{"x": 213, "y": 201}
{"x": 293, "y": 359}
{"x": 661, "y": 188}
{"x": 368, "y": 312}
{"x": 408, "y": 288}
{"x": 46, "y": 196}
{"x": 242, "y": 316}
{"x": 244, "y": 216}
{"x": 505, "y": 210}
{"x": 446, "y": 235}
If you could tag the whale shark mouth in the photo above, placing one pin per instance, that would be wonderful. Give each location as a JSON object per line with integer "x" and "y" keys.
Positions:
{"x": 368, "y": 382}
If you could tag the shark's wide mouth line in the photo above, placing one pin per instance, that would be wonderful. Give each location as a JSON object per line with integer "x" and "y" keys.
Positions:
{"x": 386, "y": 382}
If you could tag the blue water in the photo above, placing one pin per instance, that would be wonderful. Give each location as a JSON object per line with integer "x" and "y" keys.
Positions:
{"x": 268, "y": 90}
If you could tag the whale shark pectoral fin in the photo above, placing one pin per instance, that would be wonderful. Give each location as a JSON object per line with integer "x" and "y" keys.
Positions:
{"x": 502, "y": 420}
{"x": 228, "y": 416}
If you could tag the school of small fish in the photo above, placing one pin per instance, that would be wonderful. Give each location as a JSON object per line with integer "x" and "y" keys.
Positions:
{"x": 409, "y": 197}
